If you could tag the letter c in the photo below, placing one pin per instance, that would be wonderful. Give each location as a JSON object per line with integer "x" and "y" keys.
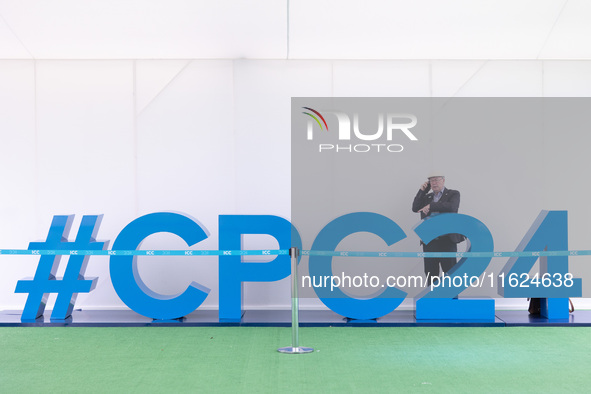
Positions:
{"x": 320, "y": 266}
{"x": 124, "y": 273}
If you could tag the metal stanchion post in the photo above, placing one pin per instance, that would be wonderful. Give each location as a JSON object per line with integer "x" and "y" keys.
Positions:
{"x": 295, "y": 320}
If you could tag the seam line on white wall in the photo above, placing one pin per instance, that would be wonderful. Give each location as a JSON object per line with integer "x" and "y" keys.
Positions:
{"x": 164, "y": 87}
{"x": 16, "y": 36}
{"x": 470, "y": 78}
{"x": 135, "y": 141}
{"x": 287, "y": 57}
{"x": 552, "y": 29}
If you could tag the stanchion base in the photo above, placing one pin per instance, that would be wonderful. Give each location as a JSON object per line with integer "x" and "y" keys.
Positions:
{"x": 295, "y": 350}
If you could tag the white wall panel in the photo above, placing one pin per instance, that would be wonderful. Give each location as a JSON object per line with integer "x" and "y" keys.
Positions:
{"x": 95, "y": 29}
{"x": 490, "y": 169}
{"x": 187, "y": 163}
{"x": 17, "y": 151}
{"x": 424, "y": 29}
{"x": 263, "y": 128}
{"x": 566, "y": 166}
{"x": 263, "y": 140}
{"x": 85, "y": 137}
{"x": 381, "y": 78}
{"x": 569, "y": 79}
{"x": 18, "y": 174}
{"x": 569, "y": 38}
{"x": 85, "y": 153}
{"x": 185, "y": 142}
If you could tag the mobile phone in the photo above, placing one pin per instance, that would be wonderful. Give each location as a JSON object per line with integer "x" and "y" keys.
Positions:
{"x": 428, "y": 186}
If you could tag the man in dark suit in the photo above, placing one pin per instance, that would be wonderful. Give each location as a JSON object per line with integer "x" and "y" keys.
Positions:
{"x": 440, "y": 200}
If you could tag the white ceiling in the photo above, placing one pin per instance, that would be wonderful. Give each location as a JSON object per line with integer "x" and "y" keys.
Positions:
{"x": 311, "y": 29}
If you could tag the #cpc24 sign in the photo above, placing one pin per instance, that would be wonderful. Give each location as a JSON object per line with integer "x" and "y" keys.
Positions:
{"x": 548, "y": 232}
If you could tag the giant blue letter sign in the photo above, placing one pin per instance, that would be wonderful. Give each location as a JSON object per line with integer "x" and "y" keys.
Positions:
{"x": 73, "y": 281}
{"x": 440, "y": 303}
{"x": 548, "y": 232}
{"x": 233, "y": 271}
{"x": 546, "y": 240}
{"x": 320, "y": 266}
{"x": 126, "y": 279}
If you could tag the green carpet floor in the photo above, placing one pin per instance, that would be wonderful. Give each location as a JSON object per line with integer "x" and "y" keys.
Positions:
{"x": 346, "y": 359}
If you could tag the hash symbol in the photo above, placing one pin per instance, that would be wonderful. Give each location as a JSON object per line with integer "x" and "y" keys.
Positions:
{"x": 73, "y": 282}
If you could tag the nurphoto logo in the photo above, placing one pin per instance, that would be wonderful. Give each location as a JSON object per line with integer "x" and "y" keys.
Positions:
{"x": 389, "y": 126}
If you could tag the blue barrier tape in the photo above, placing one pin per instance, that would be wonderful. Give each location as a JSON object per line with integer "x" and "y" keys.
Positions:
{"x": 145, "y": 252}
{"x": 449, "y": 254}
{"x": 286, "y": 252}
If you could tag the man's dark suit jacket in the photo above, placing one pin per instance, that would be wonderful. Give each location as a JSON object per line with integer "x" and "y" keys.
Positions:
{"x": 449, "y": 202}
